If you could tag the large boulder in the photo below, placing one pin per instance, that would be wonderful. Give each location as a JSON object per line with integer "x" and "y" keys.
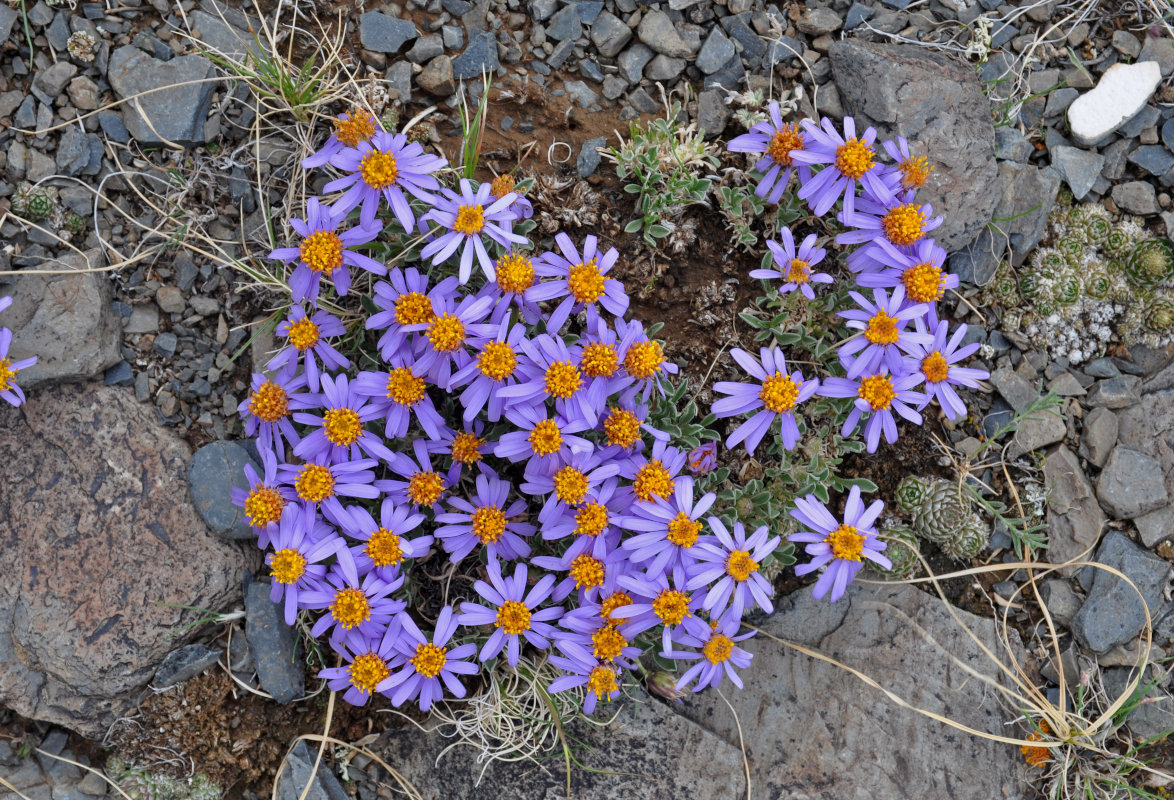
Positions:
{"x": 938, "y": 104}
{"x": 101, "y": 550}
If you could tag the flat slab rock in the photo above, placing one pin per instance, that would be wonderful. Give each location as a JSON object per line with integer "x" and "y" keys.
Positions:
{"x": 814, "y": 731}
{"x": 1120, "y": 93}
{"x": 99, "y": 544}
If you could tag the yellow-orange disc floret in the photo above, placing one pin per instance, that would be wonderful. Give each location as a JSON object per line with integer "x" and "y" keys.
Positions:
{"x": 653, "y": 480}
{"x": 562, "y": 380}
{"x": 570, "y": 485}
{"x": 846, "y": 543}
{"x": 513, "y": 617}
{"x": 622, "y": 428}
{"x": 643, "y": 359}
{"x": 546, "y": 439}
{"x": 854, "y": 158}
{"x": 877, "y": 391}
{"x": 321, "y": 251}
{"x": 470, "y": 220}
{"x": 591, "y": 519}
{"x": 607, "y": 606}
{"x": 466, "y": 448}
{"x": 602, "y": 682}
{"x": 798, "y": 271}
{"x": 502, "y": 185}
{"x": 446, "y": 333}
{"x": 787, "y": 138}
{"x": 683, "y": 531}
{"x": 903, "y": 224}
{"x": 350, "y": 607}
{"x": 354, "y": 128}
{"x": 740, "y": 565}
{"x": 315, "y": 483}
{"x": 403, "y": 387}
{"x": 488, "y": 524}
{"x": 429, "y": 659}
{"x": 413, "y": 308}
{"x": 935, "y": 368}
{"x": 263, "y": 506}
{"x": 924, "y": 283}
{"x": 671, "y": 606}
{"x": 367, "y": 671}
{"x": 384, "y": 548}
{"x": 779, "y": 393}
{"x": 379, "y": 169}
{"x": 585, "y": 281}
{"x": 425, "y": 488}
{"x": 718, "y": 648}
{"x": 342, "y": 426}
{"x": 303, "y": 334}
{"x": 587, "y": 572}
{"x": 515, "y": 273}
{"x": 269, "y": 403}
{"x": 882, "y": 329}
{"x": 497, "y": 361}
{"x": 599, "y": 360}
{"x": 287, "y": 565}
{"x": 608, "y": 643}
{"x": 914, "y": 172}
{"x": 7, "y": 373}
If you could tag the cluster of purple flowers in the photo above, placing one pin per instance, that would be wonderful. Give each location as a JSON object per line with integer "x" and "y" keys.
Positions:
{"x": 899, "y": 359}
{"x": 492, "y": 432}
{"x": 9, "y": 391}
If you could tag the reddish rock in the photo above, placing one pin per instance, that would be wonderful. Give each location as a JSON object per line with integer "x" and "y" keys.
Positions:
{"x": 99, "y": 543}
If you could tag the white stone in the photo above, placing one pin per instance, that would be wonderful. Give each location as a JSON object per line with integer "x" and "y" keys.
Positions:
{"x": 1122, "y": 91}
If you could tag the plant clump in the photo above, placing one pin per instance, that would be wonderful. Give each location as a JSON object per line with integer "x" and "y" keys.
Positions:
{"x": 143, "y": 784}
{"x": 942, "y": 514}
{"x": 37, "y": 203}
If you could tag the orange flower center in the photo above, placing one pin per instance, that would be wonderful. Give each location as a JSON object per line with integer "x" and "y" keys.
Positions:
{"x": 607, "y": 643}
{"x": 587, "y": 572}
{"x": 367, "y": 671}
{"x": 384, "y": 549}
{"x": 287, "y": 565}
{"x": 779, "y": 393}
{"x": 546, "y": 438}
{"x": 935, "y": 368}
{"x": 562, "y": 380}
{"x": 798, "y": 272}
{"x": 718, "y": 649}
{"x": 591, "y": 519}
{"x": 854, "y": 158}
{"x": 785, "y": 139}
{"x": 354, "y": 128}
{"x": 470, "y": 220}
{"x": 671, "y": 606}
{"x": 739, "y": 565}
{"x": 877, "y": 391}
{"x": 585, "y": 281}
{"x": 915, "y": 172}
{"x": 599, "y": 360}
{"x": 501, "y": 186}
{"x": 653, "y": 480}
{"x": 263, "y": 506}
{"x": 425, "y": 488}
{"x": 617, "y": 599}
{"x": 643, "y": 359}
{"x": 269, "y": 403}
{"x": 315, "y": 483}
{"x": 303, "y": 334}
{"x": 683, "y": 531}
{"x": 350, "y": 607}
{"x": 902, "y": 224}
{"x": 488, "y": 524}
{"x": 446, "y": 333}
{"x": 342, "y": 426}
{"x": 602, "y": 682}
{"x": 622, "y": 428}
{"x": 403, "y": 387}
{"x": 570, "y": 485}
{"x": 515, "y": 273}
{"x": 379, "y": 170}
{"x": 321, "y": 251}
{"x": 466, "y": 448}
{"x": 924, "y": 283}
{"x": 882, "y": 329}
{"x": 513, "y": 617}
{"x": 846, "y": 543}
{"x": 413, "y": 308}
{"x": 429, "y": 659}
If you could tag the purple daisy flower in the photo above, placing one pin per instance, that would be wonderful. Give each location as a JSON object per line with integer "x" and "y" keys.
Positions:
{"x": 265, "y": 500}
{"x": 489, "y": 520}
{"x": 550, "y": 372}
{"x": 841, "y": 547}
{"x": 588, "y": 630}
{"x": 423, "y": 487}
{"x": 300, "y": 542}
{"x": 320, "y": 484}
{"x": 385, "y": 544}
{"x": 776, "y": 141}
{"x": 703, "y": 459}
{"x": 568, "y": 485}
{"x": 728, "y": 565}
{"x": 877, "y": 395}
{"x": 794, "y": 267}
{"x": 935, "y": 364}
{"x": 340, "y": 434}
{"x": 601, "y": 678}
{"x": 668, "y": 532}
{"x": 883, "y": 335}
{"x": 305, "y": 337}
{"x": 662, "y": 600}
{"x": 719, "y": 651}
{"x": 584, "y": 572}
{"x": 384, "y": 166}
{"x": 352, "y": 602}
{"x": 405, "y": 300}
{"x": 541, "y": 438}
{"x": 848, "y": 159}
{"x": 920, "y": 269}
{"x": 653, "y": 477}
{"x": 11, "y": 393}
{"x": 369, "y": 662}
{"x": 493, "y": 369}
{"x": 503, "y": 185}
{"x": 399, "y": 394}
{"x": 324, "y": 252}
{"x": 777, "y": 395}
{"x": 466, "y": 448}
{"x": 622, "y": 423}
{"x": 266, "y": 411}
{"x": 899, "y": 224}
{"x": 911, "y": 172}
{"x": 455, "y": 326}
{"x": 513, "y": 615}
{"x": 350, "y": 128}
{"x": 643, "y": 358}
{"x": 515, "y": 282}
{"x": 592, "y": 522}
{"x": 468, "y": 217}
{"x": 581, "y": 280}
{"x": 429, "y": 663}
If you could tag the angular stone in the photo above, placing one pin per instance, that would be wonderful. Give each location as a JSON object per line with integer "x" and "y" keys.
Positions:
{"x": 656, "y": 30}
{"x": 1037, "y": 431}
{"x": 381, "y": 33}
{"x": 1156, "y": 526}
{"x": 1121, "y": 92}
{"x": 589, "y": 157}
{"x": 1099, "y": 436}
{"x": 425, "y": 49}
{"x": 632, "y": 62}
{"x": 663, "y": 68}
{"x": 214, "y": 471}
{"x": 715, "y": 52}
{"x": 108, "y": 556}
{"x": 939, "y": 105}
{"x": 275, "y": 646}
{"x": 184, "y": 664}
{"x": 1153, "y": 159}
{"x": 221, "y": 36}
{"x": 1131, "y": 484}
{"x": 436, "y": 78}
{"x": 157, "y": 115}
{"x": 1061, "y": 600}
{"x": 50, "y": 82}
{"x": 818, "y": 21}
{"x": 712, "y": 113}
{"x": 299, "y": 771}
{"x": 479, "y": 57}
{"x": 65, "y": 320}
{"x": 1075, "y": 519}
{"x": 609, "y": 34}
{"x": 565, "y": 24}
{"x": 1014, "y": 388}
{"x": 1113, "y": 613}
{"x": 1116, "y": 392}
{"x": 1136, "y": 197}
{"x": 1079, "y": 168}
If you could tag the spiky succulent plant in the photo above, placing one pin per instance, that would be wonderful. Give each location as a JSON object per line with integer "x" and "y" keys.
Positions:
{"x": 35, "y": 203}
{"x": 903, "y": 551}
{"x": 910, "y": 493}
{"x": 940, "y": 514}
{"x": 142, "y": 784}
{"x": 81, "y": 46}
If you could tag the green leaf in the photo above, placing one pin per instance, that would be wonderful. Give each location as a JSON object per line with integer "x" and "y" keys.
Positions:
{"x": 633, "y": 226}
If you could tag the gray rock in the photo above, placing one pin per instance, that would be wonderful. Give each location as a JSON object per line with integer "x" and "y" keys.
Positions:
{"x": 1156, "y": 526}
{"x": 657, "y": 31}
{"x": 589, "y": 157}
{"x": 1113, "y": 613}
{"x": 120, "y": 374}
{"x": 381, "y": 33}
{"x": 214, "y": 471}
{"x": 642, "y": 101}
{"x": 1116, "y": 392}
{"x": 8, "y": 18}
{"x": 73, "y": 151}
{"x": 588, "y": 10}
{"x": 1061, "y": 600}
{"x": 1059, "y": 100}
{"x": 277, "y": 653}
{"x": 165, "y": 344}
{"x": 1099, "y": 436}
{"x": 753, "y": 45}
{"x": 609, "y": 34}
{"x": 454, "y": 36}
{"x": 158, "y": 116}
{"x": 26, "y": 115}
{"x": 1101, "y": 368}
{"x": 784, "y": 49}
{"x": 712, "y": 113}
{"x": 185, "y": 663}
{"x": 1037, "y": 431}
{"x": 1168, "y": 134}
{"x": 663, "y": 68}
{"x": 542, "y": 10}
{"x": 614, "y": 87}
{"x": 480, "y": 56}
{"x": 40, "y": 14}
{"x": 170, "y": 299}
{"x": 1136, "y": 197}
{"x": 1131, "y": 484}
{"x": 399, "y": 84}
{"x": 204, "y": 306}
{"x": 1014, "y": 388}
{"x": 299, "y": 769}
{"x": 113, "y": 126}
{"x": 1153, "y": 159}
{"x": 66, "y": 321}
{"x": 1066, "y": 385}
{"x": 84, "y": 93}
{"x": 565, "y": 24}
{"x": 1075, "y": 519}
{"x": 1011, "y": 145}
{"x": 590, "y": 70}
{"x": 426, "y": 48}
{"x": 561, "y": 53}
{"x": 1160, "y": 49}
{"x": 1146, "y": 118}
{"x": 581, "y": 93}
{"x": 940, "y": 107}
{"x": 715, "y": 52}
{"x": 818, "y": 21}
{"x": 437, "y": 78}
{"x": 1153, "y": 718}
{"x": 1079, "y": 168}
{"x": 221, "y": 36}
{"x": 49, "y": 83}
{"x": 857, "y": 14}
{"x": 1126, "y": 44}
{"x": 632, "y": 62}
